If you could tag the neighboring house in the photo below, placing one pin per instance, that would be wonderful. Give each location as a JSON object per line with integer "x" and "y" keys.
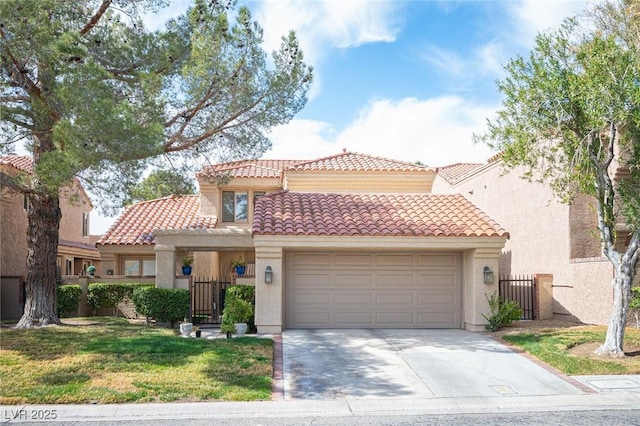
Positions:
{"x": 76, "y": 250}
{"x": 351, "y": 240}
{"x": 546, "y": 236}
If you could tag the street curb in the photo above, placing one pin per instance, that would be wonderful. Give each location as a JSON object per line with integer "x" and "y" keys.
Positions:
{"x": 347, "y": 407}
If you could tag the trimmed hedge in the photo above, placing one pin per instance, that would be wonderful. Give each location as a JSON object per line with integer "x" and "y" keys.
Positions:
{"x": 109, "y": 295}
{"x": 68, "y": 299}
{"x": 163, "y": 304}
{"x": 239, "y": 306}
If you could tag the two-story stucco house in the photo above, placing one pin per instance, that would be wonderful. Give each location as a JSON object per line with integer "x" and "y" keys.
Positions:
{"x": 75, "y": 249}
{"x": 351, "y": 240}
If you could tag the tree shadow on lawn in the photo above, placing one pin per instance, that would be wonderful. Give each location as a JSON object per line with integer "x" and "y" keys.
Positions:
{"x": 134, "y": 343}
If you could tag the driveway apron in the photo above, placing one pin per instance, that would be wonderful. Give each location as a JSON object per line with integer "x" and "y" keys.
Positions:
{"x": 390, "y": 363}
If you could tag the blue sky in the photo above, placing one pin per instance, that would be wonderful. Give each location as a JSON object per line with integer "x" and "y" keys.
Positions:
{"x": 408, "y": 80}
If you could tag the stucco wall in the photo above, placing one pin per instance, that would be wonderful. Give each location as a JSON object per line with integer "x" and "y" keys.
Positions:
{"x": 589, "y": 298}
{"x": 546, "y": 236}
{"x": 13, "y": 235}
{"x": 74, "y": 202}
{"x": 537, "y": 223}
{"x": 13, "y": 228}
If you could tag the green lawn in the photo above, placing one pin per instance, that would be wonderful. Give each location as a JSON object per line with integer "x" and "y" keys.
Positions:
{"x": 570, "y": 350}
{"x": 112, "y": 361}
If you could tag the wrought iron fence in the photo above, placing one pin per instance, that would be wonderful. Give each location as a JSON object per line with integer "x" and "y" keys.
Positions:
{"x": 522, "y": 290}
{"x": 207, "y": 299}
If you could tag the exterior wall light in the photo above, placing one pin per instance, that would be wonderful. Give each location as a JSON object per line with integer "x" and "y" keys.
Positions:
{"x": 488, "y": 275}
{"x": 268, "y": 275}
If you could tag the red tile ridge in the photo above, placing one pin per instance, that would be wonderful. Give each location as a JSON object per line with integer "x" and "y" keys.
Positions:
{"x": 355, "y": 161}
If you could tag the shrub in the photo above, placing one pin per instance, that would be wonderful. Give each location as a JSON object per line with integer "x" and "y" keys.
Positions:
{"x": 503, "y": 312}
{"x": 106, "y": 295}
{"x": 163, "y": 304}
{"x": 238, "y": 307}
{"x": 68, "y": 299}
{"x": 109, "y": 295}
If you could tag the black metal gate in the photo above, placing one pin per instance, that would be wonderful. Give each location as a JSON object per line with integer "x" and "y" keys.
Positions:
{"x": 207, "y": 300}
{"x": 522, "y": 290}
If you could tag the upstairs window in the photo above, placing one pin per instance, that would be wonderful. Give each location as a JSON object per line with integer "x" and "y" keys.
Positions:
{"x": 235, "y": 206}
{"x": 85, "y": 224}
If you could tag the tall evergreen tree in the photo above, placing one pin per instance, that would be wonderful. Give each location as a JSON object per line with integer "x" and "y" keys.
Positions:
{"x": 161, "y": 183}
{"x": 92, "y": 94}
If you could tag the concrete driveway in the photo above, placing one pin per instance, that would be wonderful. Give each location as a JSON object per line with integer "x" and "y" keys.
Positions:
{"x": 381, "y": 363}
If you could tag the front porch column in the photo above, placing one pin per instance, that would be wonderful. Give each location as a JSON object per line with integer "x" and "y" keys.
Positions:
{"x": 269, "y": 312}
{"x": 165, "y": 266}
{"x": 475, "y": 291}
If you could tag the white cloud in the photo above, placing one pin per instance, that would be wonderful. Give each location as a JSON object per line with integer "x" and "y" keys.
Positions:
{"x": 436, "y": 131}
{"x": 448, "y": 62}
{"x": 490, "y": 58}
{"x": 524, "y": 20}
{"x": 533, "y": 16}
{"x": 301, "y": 139}
{"x": 324, "y": 25}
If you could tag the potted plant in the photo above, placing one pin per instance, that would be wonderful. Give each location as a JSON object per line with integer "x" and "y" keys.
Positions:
{"x": 187, "y": 265}
{"x": 239, "y": 266}
{"x": 237, "y": 313}
{"x": 91, "y": 270}
{"x": 186, "y": 328}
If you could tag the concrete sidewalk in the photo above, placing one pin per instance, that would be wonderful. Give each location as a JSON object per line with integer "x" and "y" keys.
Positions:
{"x": 345, "y": 407}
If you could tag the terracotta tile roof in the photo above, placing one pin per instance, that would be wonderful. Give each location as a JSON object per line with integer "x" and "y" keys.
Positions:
{"x": 453, "y": 172}
{"x": 497, "y": 157}
{"x": 343, "y": 162}
{"x": 248, "y": 169}
{"x": 76, "y": 244}
{"x": 20, "y": 162}
{"x": 356, "y": 162}
{"x": 136, "y": 225}
{"x": 427, "y": 215}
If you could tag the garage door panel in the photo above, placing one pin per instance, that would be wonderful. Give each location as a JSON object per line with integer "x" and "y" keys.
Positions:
{"x": 352, "y": 298}
{"x": 342, "y": 279}
{"x": 313, "y": 319}
{"x": 437, "y": 319}
{"x": 353, "y": 318}
{"x": 440, "y": 280}
{"x": 395, "y": 299}
{"x": 368, "y": 290}
{"x": 395, "y": 319}
{"x": 395, "y": 260}
{"x": 311, "y": 259}
{"x": 396, "y": 279}
{"x": 312, "y": 279}
{"x": 437, "y": 259}
{"x": 347, "y": 259}
{"x": 312, "y": 298}
{"x": 435, "y": 298}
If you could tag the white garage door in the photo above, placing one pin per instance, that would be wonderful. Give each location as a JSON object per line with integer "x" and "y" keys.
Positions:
{"x": 372, "y": 290}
